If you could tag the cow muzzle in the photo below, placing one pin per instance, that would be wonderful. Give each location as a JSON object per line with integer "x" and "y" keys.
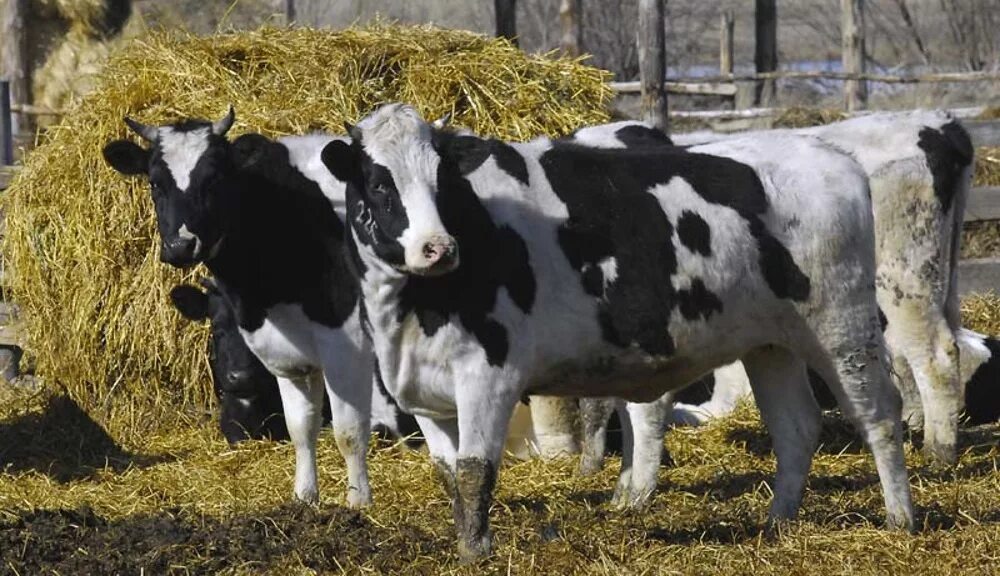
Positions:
{"x": 438, "y": 255}
{"x": 179, "y": 252}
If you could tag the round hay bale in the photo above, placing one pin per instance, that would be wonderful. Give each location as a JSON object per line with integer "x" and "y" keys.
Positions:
{"x": 81, "y": 245}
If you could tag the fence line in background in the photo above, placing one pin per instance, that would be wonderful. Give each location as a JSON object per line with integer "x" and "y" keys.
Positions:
{"x": 722, "y": 84}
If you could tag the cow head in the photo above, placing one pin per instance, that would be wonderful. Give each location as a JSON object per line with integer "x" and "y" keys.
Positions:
{"x": 189, "y": 166}
{"x": 391, "y": 170}
{"x": 250, "y": 405}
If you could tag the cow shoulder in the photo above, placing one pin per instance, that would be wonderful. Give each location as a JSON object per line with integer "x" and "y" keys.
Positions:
{"x": 493, "y": 254}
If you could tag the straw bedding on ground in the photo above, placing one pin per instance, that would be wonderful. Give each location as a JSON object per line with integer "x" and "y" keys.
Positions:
{"x": 179, "y": 500}
{"x": 81, "y": 248}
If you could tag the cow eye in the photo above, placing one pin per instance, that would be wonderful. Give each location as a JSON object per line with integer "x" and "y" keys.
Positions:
{"x": 156, "y": 190}
{"x": 380, "y": 190}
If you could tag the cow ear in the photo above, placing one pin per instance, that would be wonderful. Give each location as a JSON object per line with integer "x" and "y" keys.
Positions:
{"x": 191, "y": 302}
{"x": 127, "y": 157}
{"x": 352, "y": 131}
{"x": 340, "y": 158}
{"x": 250, "y": 150}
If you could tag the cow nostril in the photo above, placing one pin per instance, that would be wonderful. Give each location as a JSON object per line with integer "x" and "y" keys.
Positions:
{"x": 237, "y": 375}
{"x": 431, "y": 251}
{"x": 439, "y": 249}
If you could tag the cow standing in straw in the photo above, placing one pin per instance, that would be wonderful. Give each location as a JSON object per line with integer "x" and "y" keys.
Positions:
{"x": 490, "y": 270}
{"x": 920, "y": 167}
{"x": 257, "y": 213}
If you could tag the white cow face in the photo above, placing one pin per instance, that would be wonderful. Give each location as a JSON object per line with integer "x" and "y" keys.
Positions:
{"x": 391, "y": 171}
{"x": 188, "y": 165}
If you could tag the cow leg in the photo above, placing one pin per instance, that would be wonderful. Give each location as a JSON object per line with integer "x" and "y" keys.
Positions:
{"x": 628, "y": 451}
{"x": 350, "y": 408}
{"x": 781, "y": 389}
{"x": 349, "y": 383}
{"x": 442, "y": 443}
{"x": 482, "y": 425}
{"x": 913, "y": 407}
{"x": 594, "y": 415}
{"x": 555, "y": 422}
{"x": 302, "y": 398}
{"x": 934, "y": 360}
{"x": 649, "y": 424}
{"x": 856, "y": 374}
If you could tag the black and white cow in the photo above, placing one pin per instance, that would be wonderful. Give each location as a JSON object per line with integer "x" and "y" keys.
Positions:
{"x": 919, "y": 164}
{"x": 254, "y": 211}
{"x": 490, "y": 270}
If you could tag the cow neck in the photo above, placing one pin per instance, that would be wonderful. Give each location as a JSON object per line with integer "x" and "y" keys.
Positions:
{"x": 284, "y": 244}
{"x": 234, "y": 266}
{"x": 381, "y": 288}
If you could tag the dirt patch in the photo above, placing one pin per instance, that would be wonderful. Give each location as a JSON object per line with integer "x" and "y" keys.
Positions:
{"x": 81, "y": 542}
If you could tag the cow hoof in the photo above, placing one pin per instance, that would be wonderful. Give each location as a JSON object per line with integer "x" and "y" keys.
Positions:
{"x": 901, "y": 520}
{"x": 357, "y": 499}
{"x": 590, "y": 466}
{"x": 470, "y": 551}
{"x": 307, "y": 496}
{"x": 940, "y": 455}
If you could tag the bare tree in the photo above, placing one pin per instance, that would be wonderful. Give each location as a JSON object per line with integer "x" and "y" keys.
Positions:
{"x": 907, "y": 17}
{"x": 610, "y": 31}
{"x": 539, "y": 25}
{"x": 506, "y": 19}
{"x": 972, "y": 27}
{"x": 569, "y": 20}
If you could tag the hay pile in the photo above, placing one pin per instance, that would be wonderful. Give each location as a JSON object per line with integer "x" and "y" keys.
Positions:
{"x": 981, "y": 312}
{"x": 987, "y": 166}
{"x": 81, "y": 250}
{"x": 982, "y": 239}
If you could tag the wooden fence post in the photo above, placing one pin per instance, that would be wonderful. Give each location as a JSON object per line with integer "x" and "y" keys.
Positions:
{"x": 766, "y": 50}
{"x": 6, "y": 129}
{"x": 652, "y": 64}
{"x": 289, "y": 12}
{"x": 852, "y": 29}
{"x": 506, "y": 19}
{"x": 570, "y": 18}
{"x": 14, "y": 67}
{"x": 726, "y": 24}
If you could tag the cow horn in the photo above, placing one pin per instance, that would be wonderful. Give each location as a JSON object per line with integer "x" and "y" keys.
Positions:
{"x": 442, "y": 122}
{"x": 147, "y": 132}
{"x": 220, "y": 127}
